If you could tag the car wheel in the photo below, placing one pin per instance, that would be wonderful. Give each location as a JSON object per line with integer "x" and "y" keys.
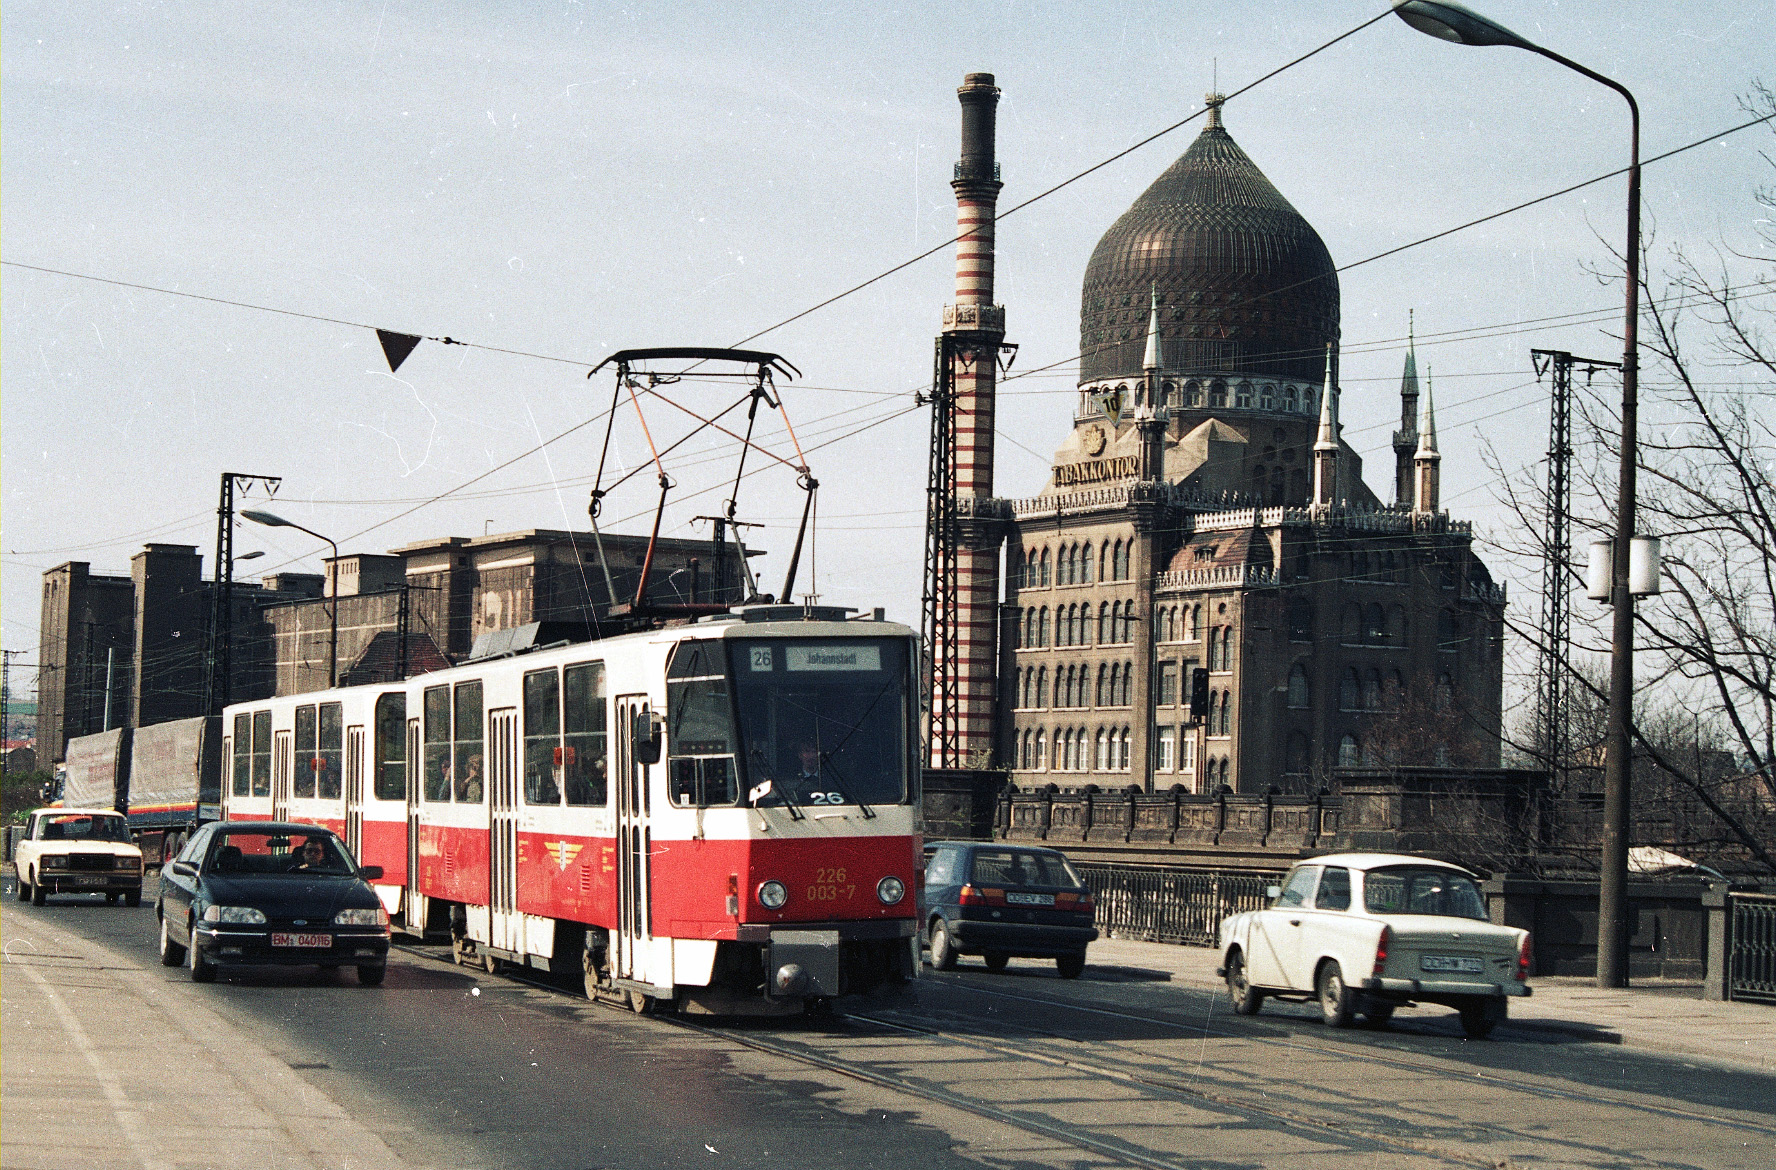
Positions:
{"x": 1070, "y": 966}
{"x": 38, "y": 893}
{"x": 24, "y": 888}
{"x": 171, "y": 953}
{"x": 996, "y": 960}
{"x": 1480, "y": 1016}
{"x": 1337, "y": 1002}
{"x": 943, "y": 951}
{"x": 133, "y": 898}
{"x": 371, "y": 974}
{"x": 1246, "y": 999}
{"x": 1378, "y": 1015}
{"x": 202, "y": 970}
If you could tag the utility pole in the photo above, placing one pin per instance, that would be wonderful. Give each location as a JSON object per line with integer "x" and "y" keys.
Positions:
{"x": 220, "y": 649}
{"x": 5, "y": 706}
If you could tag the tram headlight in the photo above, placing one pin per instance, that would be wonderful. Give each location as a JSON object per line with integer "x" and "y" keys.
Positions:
{"x": 890, "y": 890}
{"x": 772, "y": 895}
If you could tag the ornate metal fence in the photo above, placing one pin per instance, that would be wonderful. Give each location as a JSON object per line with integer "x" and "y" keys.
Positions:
{"x": 1754, "y": 946}
{"x": 1160, "y": 904}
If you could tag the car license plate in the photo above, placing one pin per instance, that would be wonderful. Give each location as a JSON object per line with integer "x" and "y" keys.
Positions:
{"x": 1030, "y": 899}
{"x": 1452, "y": 963}
{"x": 301, "y": 940}
{"x": 92, "y": 880}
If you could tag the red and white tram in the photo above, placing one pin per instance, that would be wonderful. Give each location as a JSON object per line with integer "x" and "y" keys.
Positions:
{"x": 721, "y": 816}
{"x": 335, "y": 758}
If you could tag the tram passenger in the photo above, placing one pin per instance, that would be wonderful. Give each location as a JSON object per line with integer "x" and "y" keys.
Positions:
{"x": 469, "y": 790}
{"x": 584, "y": 781}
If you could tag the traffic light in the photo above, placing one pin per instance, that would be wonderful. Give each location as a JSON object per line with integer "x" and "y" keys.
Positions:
{"x": 1199, "y": 694}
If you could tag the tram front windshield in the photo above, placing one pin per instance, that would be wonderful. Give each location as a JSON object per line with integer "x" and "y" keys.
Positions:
{"x": 816, "y": 723}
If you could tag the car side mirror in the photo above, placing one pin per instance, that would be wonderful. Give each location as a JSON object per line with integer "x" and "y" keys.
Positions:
{"x": 1273, "y": 892}
{"x": 370, "y": 872}
{"x": 184, "y": 869}
{"x": 646, "y": 739}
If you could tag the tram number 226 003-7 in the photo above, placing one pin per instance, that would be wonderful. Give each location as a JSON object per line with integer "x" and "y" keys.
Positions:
{"x": 830, "y": 886}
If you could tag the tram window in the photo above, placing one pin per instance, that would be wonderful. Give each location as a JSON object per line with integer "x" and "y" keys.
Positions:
{"x": 437, "y": 744}
{"x": 542, "y": 736}
{"x": 332, "y": 751}
{"x": 391, "y": 747}
{"x": 700, "y": 741}
{"x": 584, "y": 771}
{"x": 243, "y": 754}
{"x": 308, "y": 762}
{"x": 262, "y": 753}
{"x": 470, "y": 746}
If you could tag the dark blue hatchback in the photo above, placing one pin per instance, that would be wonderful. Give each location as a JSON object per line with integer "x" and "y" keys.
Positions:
{"x": 1003, "y": 901}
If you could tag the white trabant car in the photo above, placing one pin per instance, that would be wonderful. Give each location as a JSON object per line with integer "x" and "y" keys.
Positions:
{"x": 1365, "y": 933}
{"x": 78, "y": 851}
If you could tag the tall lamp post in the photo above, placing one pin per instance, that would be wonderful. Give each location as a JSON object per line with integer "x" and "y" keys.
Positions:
{"x": 271, "y": 520}
{"x": 1452, "y": 22}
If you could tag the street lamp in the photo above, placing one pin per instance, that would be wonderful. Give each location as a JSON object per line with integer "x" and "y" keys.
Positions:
{"x": 247, "y": 556}
{"x": 1452, "y": 22}
{"x": 271, "y": 520}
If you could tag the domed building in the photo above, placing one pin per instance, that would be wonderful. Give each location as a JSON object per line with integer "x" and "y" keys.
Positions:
{"x": 1205, "y": 592}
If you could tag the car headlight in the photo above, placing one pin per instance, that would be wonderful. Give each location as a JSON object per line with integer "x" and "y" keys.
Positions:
{"x": 129, "y": 863}
{"x": 376, "y": 917}
{"x": 772, "y": 895}
{"x": 237, "y": 914}
{"x": 890, "y": 890}
{"x": 54, "y": 861}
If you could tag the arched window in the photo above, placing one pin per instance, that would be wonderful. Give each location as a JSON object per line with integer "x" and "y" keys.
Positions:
{"x": 1072, "y": 570}
{"x": 1226, "y": 647}
{"x": 1104, "y": 566}
{"x": 1298, "y": 685}
{"x": 1350, "y": 691}
{"x": 1295, "y": 759}
{"x": 1042, "y": 687}
{"x": 1214, "y": 648}
{"x": 1352, "y": 626}
{"x": 1115, "y": 683}
{"x": 1103, "y": 623}
{"x": 1168, "y": 393}
{"x": 1349, "y": 754}
{"x": 1267, "y": 398}
{"x": 1193, "y": 394}
{"x": 1083, "y": 630}
{"x": 1193, "y": 628}
{"x": 1376, "y": 624}
{"x": 1289, "y": 399}
{"x": 1085, "y": 564}
{"x": 1044, "y": 570}
{"x": 1063, "y": 626}
{"x": 1103, "y": 696}
{"x": 1122, "y": 750}
{"x": 1100, "y": 754}
{"x": 1394, "y": 693}
{"x": 1243, "y": 397}
{"x": 1226, "y": 712}
{"x": 1217, "y": 393}
{"x": 1301, "y": 619}
{"x": 1128, "y": 683}
{"x": 1214, "y": 714}
{"x": 1372, "y": 691}
{"x": 1041, "y": 750}
{"x": 1074, "y": 687}
{"x": 1042, "y": 627}
{"x": 1122, "y": 560}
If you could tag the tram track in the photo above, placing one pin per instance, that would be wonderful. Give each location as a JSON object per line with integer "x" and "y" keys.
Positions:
{"x": 1374, "y": 1056}
{"x": 1154, "y": 1078}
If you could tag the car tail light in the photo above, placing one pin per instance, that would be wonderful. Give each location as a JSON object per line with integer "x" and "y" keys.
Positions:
{"x": 981, "y": 896}
{"x": 1523, "y": 959}
{"x": 1381, "y": 950}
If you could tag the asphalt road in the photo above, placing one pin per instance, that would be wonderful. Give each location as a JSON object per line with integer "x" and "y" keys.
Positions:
{"x": 1022, "y": 1069}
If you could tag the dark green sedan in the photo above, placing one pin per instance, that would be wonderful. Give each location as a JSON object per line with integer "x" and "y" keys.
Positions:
{"x": 266, "y": 893}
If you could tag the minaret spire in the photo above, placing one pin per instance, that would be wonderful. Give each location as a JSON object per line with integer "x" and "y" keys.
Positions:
{"x": 1425, "y": 461}
{"x": 1325, "y": 448}
{"x": 1406, "y": 438}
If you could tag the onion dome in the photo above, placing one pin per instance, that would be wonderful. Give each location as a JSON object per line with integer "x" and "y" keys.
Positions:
{"x": 1245, "y": 284}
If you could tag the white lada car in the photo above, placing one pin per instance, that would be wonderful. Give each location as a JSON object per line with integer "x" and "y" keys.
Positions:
{"x": 1365, "y": 933}
{"x": 78, "y": 851}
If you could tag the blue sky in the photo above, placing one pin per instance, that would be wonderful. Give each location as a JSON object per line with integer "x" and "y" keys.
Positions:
{"x": 571, "y": 179}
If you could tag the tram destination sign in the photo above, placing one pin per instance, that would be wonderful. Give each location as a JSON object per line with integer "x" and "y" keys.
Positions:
{"x": 834, "y": 657}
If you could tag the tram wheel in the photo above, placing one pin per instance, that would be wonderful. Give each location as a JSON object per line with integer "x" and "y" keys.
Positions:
{"x": 641, "y": 1004}
{"x": 489, "y": 964}
{"x": 462, "y": 952}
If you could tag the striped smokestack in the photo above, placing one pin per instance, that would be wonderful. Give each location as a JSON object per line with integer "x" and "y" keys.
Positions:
{"x": 974, "y": 327}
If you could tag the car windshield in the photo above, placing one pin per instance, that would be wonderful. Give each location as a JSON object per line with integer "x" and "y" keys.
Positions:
{"x": 1422, "y": 890}
{"x": 263, "y": 852}
{"x": 83, "y": 828}
{"x": 1021, "y": 867}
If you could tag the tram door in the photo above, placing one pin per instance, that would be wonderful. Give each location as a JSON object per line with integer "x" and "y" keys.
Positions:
{"x": 413, "y": 903}
{"x": 634, "y": 913}
{"x": 354, "y": 791}
{"x": 507, "y": 925}
{"x": 282, "y": 759}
